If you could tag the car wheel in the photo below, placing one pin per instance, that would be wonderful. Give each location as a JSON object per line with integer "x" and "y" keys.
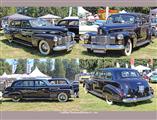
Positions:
{"x": 62, "y": 97}
{"x": 16, "y": 98}
{"x": 89, "y": 50}
{"x": 85, "y": 89}
{"x": 10, "y": 40}
{"x": 109, "y": 100}
{"x": 128, "y": 48}
{"x": 44, "y": 47}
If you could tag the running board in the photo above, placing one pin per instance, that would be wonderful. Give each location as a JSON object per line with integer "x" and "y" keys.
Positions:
{"x": 24, "y": 43}
{"x": 143, "y": 43}
{"x": 97, "y": 94}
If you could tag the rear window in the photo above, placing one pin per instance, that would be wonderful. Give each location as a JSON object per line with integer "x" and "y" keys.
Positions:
{"x": 129, "y": 74}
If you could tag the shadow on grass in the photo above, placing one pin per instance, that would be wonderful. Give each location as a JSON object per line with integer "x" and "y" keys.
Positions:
{"x": 127, "y": 104}
{"x": 35, "y": 101}
{"x": 34, "y": 50}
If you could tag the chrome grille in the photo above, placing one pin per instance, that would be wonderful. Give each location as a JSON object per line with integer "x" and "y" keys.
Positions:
{"x": 64, "y": 40}
{"x": 99, "y": 40}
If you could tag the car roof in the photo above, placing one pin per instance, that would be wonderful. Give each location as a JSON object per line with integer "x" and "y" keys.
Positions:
{"x": 71, "y": 18}
{"x": 58, "y": 78}
{"x": 115, "y": 69}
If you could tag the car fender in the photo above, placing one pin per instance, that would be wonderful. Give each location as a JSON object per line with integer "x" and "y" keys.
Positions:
{"x": 36, "y": 38}
{"x": 112, "y": 91}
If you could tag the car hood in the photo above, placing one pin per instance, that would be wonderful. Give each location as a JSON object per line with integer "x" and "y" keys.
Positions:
{"x": 109, "y": 27}
{"x": 56, "y": 28}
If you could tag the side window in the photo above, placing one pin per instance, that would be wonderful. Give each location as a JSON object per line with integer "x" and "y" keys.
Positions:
{"x": 96, "y": 74}
{"x": 63, "y": 82}
{"x": 62, "y": 23}
{"x": 17, "y": 24}
{"x": 26, "y": 24}
{"x": 24, "y": 84}
{"x": 101, "y": 74}
{"x": 73, "y": 23}
{"x": 39, "y": 83}
{"x": 108, "y": 76}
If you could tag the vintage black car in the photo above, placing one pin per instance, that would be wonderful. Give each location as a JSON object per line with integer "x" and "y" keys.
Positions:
{"x": 39, "y": 33}
{"x": 72, "y": 24}
{"x": 119, "y": 85}
{"x": 39, "y": 89}
{"x": 122, "y": 31}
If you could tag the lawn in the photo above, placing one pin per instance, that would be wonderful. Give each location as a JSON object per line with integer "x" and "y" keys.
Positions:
{"x": 85, "y": 103}
{"x": 15, "y": 50}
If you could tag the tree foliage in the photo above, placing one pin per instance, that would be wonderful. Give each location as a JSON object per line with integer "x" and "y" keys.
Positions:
{"x": 5, "y": 67}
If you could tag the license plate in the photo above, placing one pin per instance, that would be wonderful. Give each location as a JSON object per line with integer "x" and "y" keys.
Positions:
{"x": 99, "y": 51}
{"x": 141, "y": 88}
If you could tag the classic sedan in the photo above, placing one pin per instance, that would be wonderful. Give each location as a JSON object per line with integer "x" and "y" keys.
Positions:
{"x": 119, "y": 85}
{"x": 153, "y": 78}
{"x": 38, "y": 89}
{"x": 41, "y": 34}
{"x": 122, "y": 32}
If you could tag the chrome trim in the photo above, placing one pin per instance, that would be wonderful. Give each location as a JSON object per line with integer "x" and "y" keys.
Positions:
{"x": 67, "y": 47}
{"x": 104, "y": 47}
{"x": 130, "y": 100}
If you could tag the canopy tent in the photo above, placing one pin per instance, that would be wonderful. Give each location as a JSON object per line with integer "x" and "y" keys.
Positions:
{"x": 51, "y": 18}
{"x": 38, "y": 74}
{"x": 16, "y": 16}
{"x": 153, "y": 12}
{"x": 141, "y": 68}
{"x": 82, "y": 12}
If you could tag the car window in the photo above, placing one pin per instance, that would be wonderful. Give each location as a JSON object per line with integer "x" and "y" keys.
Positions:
{"x": 17, "y": 24}
{"x": 129, "y": 74}
{"x": 24, "y": 84}
{"x": 73, "y": 23}
{"x": 108, "y": 76}
{"x": 59, "y": 82}
{"x": 96, "y": 74}
{"x": 39, "y": 83}
{"x": 63, "y": 23}
{"x": 26, "y": 24}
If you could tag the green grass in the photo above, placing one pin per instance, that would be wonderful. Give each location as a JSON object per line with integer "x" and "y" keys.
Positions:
{"x": 15, "y": 50}
{"x": 86, "y": 103}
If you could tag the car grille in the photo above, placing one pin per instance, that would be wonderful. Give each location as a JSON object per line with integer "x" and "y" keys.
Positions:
{"x": 65, "y": 40}
{"x": 99, "y": 40}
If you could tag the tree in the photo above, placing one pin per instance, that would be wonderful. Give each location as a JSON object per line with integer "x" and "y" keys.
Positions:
{"x": 5, "y": 67}
{"x": 21, "y": 66}
{"x": 59, "y": 70}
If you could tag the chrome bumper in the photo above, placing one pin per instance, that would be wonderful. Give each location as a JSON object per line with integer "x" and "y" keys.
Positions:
{"x": 130, "y": 100}
{"x": 67, "y": 47}
{"x": 103, "y": 47}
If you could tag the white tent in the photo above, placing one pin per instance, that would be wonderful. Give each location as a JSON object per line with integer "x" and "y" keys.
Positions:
{"x": 50, "y": 16}
{"x": 37, "y": 73}
{"x": 141, "y": 68}
{"x": 82, "y": 11}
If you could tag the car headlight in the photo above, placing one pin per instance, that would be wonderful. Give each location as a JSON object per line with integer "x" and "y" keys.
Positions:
{"x": 73, "y": 35}
{"x": 55, "y": 39}
{"x": 86, "y": 36}
{"x": 120, "y": 36}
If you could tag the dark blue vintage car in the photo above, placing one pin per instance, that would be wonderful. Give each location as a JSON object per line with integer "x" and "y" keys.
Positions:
{"x": 59, "y": 89}
{"x": 122, "y": 32}
{"x": 119, "y": 85}
{"x": 41, "y": 34}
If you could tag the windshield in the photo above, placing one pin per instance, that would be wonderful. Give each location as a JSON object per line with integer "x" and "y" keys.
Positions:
{"x": 127, "y": 19}
{"x": 154, "y": 20}
{"x": 39, "y": 23}
{"x": 130, "y": 74}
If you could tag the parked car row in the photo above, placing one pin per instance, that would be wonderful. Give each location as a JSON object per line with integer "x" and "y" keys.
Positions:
{"x": 151, "y": 77}
{"x": 112, "y": 84}
{"x": 122, "y": 32}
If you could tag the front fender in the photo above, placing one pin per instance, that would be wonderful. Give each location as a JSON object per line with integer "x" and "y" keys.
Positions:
{"x": 38, "y": 37}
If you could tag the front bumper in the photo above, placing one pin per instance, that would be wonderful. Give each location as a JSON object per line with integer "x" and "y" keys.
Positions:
{"x": 130, "y": 100}
{"x": 103, "y": 47}
{"x": 67, "y": 47}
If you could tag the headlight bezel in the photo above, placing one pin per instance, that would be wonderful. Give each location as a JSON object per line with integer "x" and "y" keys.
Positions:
{"x": 120, "y": 36}
{"x": 86, "y": 36}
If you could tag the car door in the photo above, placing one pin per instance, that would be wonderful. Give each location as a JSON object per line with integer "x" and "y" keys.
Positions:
{"x": 42, "y": 89}
{"x": 15, "y": 29}
{"x": 73, "y": 26}
{"x": 26, "y": 88}
{"x": 26, "y": 31}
